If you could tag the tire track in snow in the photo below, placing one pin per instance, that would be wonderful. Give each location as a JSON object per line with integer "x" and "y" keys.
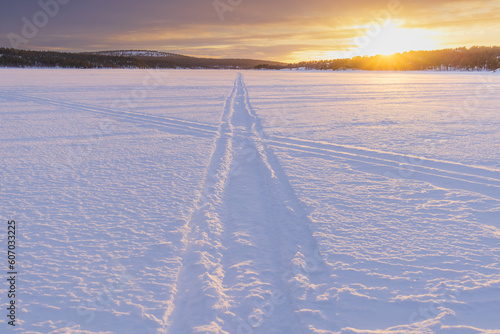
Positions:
{"x": 198, "y": 294}
{"x": 298, "y": 271}
{"x": 446, "y": 174}
{"x": 250, "y": 259}
{"x": 173, "y": 125}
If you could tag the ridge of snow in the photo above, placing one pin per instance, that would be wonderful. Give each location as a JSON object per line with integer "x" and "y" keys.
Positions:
{"x": 135, "y": 53}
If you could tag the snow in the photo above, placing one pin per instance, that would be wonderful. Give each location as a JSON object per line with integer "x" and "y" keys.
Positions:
{"x": 200, "y": 201}
{"x": 135, "y": 53}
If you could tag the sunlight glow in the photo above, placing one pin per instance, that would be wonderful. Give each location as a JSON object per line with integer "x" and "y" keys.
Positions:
{"x": 393, "y": 39}
{"x": 386, "y": 39}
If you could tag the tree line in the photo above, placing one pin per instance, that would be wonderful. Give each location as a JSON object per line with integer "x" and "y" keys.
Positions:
{"x": 25, "y": 58}
{"x": 470, "y": 59}
{"x": 473, "y": 59}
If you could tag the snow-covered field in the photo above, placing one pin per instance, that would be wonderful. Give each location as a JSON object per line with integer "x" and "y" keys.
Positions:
{"x": 183, "y": 201}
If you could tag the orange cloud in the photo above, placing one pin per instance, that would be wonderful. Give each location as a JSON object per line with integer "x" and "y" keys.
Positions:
{"x": 277, "y": 30}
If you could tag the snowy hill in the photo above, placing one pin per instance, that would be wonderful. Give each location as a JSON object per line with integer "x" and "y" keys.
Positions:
{"x": 122, "y": 59}
{"x": 135, "y": 53}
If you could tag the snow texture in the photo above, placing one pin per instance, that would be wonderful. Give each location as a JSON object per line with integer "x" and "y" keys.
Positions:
{"x": 199, "y": 201}
{"x": 135, "y": 53}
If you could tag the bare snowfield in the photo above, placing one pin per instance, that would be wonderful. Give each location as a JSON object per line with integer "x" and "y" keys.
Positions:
{"x": 198, "y": 201}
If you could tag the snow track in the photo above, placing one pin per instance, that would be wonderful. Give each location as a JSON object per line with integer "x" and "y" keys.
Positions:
{"x": 163, "y": 123}
{"x": 440, "y": 173}
{"x": 248, "y": 244}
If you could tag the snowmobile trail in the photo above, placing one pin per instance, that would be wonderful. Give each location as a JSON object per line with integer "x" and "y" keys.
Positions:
{"x": 250, "y": 262}
{"x": 445, "y": 174}
{"x": 169, "y": 124}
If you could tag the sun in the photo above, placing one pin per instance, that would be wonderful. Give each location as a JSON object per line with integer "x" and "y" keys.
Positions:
{"x": 391, "y": 39}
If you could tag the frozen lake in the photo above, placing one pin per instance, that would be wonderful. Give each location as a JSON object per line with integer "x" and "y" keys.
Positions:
{"x": 199, "y": 201}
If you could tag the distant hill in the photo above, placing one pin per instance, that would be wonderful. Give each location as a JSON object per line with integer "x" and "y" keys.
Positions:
{"x": 155, "y": 59}
{"x": 122, "y": 59}
{"x": 134, "y": 53}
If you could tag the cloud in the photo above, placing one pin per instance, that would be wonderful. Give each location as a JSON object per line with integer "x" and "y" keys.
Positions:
{"x": 268, "y": 29}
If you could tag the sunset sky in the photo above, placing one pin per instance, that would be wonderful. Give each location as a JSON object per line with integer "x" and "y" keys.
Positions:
{"x": 281, "y": 30}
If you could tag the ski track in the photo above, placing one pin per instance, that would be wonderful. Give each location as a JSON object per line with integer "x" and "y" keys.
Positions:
{"x": 235, "y": 277}
{"x": 441, "y": 173}
{"x": 444, "y": 174}
{"x": 172, "y": 125}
